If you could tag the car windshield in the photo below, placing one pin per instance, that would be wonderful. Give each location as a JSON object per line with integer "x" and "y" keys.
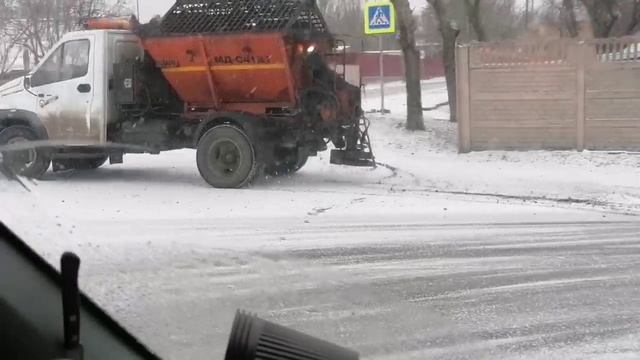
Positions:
{"x": 411, "y": 179}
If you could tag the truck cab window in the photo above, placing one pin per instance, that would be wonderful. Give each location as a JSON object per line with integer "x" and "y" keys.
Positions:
{"x": 69, "y": 61}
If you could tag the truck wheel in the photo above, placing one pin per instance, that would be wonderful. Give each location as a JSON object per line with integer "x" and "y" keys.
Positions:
{"x": 286, "y": 168}
{"x": 80, "y": 164}
{"x": 32, "y": 163}
{"x": 226, "y": 158}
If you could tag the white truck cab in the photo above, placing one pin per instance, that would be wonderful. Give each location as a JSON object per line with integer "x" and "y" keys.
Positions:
{"x": 68, "y": 92}
{"x": 67, "y": 98}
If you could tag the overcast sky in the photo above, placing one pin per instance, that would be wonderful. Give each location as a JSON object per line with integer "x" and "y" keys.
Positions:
{"x": 150, "y": 8}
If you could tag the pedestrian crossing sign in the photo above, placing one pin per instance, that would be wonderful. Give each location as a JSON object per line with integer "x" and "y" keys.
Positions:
{"x": 379, "y": 18}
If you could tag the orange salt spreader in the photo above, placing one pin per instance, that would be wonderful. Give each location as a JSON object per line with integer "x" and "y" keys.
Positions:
{"x": 266, "y": 68}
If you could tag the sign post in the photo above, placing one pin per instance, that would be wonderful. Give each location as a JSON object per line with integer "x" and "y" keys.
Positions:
{"x": 380, "y": 19}
{"x": 381, "y": 65}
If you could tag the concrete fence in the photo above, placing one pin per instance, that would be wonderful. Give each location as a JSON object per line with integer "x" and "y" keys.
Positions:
{"x": 555, "y": 95}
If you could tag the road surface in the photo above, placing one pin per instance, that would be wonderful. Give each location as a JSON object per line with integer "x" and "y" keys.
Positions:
{"x": 393, "y": 274}
{"x": 393, "y": 290}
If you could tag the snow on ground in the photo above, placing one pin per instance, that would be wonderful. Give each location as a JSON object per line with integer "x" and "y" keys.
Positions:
{"x": 433, "y": 254}
{"x": 431, "y": 162}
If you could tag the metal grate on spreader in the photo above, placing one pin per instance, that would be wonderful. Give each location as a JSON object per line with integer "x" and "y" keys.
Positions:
{"x": 227, "y": 16}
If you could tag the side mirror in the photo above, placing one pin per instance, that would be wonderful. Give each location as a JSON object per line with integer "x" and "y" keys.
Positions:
{"x": 27, "y": 82}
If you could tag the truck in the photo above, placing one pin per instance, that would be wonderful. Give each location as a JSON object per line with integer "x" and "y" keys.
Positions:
{"x": 254, "y": 86}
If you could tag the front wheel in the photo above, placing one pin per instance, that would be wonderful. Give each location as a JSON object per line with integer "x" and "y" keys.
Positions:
{"x": 32, "y": 163}
{"x": 226, "y": 158}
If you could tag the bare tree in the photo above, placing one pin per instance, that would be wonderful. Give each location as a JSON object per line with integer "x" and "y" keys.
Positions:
{"x": 9, "y": 39}
{"x": 606, "y": 18}
{"x": 42, "y": 23}
{"x": 449, "y": 32}
{"x": 603, "y": 14}
{"x": 628, "y": 16}
{"x": 473, "y": 14}
{"x": 344, "y": 18}
{"x": 413, "y": 75}
{"x": 566, "y": 17}
{"x": 29, "y": 27}
{"x": 635, "y": 18}
{"x": 569, "y": 17}
{"x": 341, "y": 15}
{"x": 502, "y": 19}
{"x": 9, "y": 53}
{"x": 497, "y": 19}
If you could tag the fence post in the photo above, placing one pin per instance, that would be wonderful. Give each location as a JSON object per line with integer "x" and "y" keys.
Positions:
{"x": 463, "y": 91}
{"x": 579, "y": 56}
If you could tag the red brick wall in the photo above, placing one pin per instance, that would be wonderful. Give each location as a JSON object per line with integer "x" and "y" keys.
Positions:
{"x": 393, "y": 66}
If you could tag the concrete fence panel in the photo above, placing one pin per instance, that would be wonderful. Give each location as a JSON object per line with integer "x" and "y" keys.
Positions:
{"x": 555, "y": 95}
{"x": 612, "y": 94}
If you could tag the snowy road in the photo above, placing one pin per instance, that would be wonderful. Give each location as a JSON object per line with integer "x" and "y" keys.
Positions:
{"x": 393, "y": 274}
{"x": 392, "y": 291}
{"x": 400, "y": 262}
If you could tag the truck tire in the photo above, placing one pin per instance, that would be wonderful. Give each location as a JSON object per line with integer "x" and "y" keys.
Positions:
{"x": 286, "y": 168}
{"x": 81, "y": 164}
{"x": 31, "y": 163}
{"x": 226, "y": 158}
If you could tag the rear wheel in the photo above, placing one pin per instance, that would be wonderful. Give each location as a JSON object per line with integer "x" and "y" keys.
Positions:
{"x": 226, "y": 158}
{"x": 32, "y": 163}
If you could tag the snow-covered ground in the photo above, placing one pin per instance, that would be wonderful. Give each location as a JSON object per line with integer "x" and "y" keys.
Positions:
{"x": 429, "y": 161}
{"x": 433, "y": 254}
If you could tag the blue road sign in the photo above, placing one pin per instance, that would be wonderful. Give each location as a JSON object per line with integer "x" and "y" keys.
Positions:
{"x": 380, "y": 18}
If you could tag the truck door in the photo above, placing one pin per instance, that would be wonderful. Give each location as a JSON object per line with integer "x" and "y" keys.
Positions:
{"x": 64, "y": 85}
{"x": 122, "y": 48}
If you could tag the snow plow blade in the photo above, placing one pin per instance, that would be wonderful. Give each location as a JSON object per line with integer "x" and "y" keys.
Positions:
{"x": 352, "y": 158}
{"x": 359, "y": 153}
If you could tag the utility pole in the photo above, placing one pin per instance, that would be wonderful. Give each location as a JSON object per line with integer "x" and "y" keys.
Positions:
{"x": 138, "y": 9}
